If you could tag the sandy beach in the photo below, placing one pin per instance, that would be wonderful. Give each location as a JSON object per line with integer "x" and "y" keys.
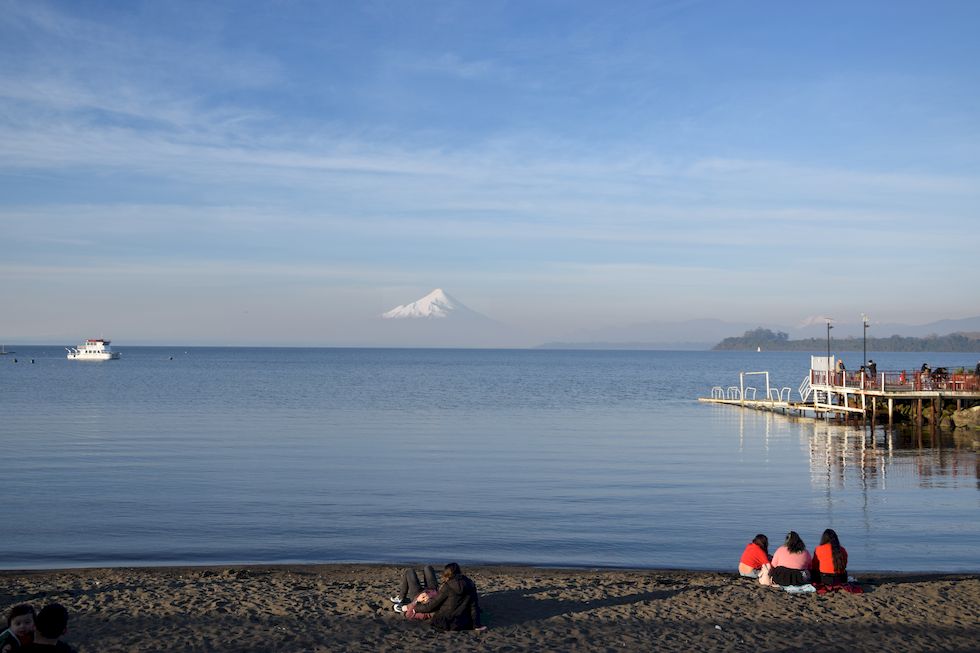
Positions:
{"x": 344, "y": 608}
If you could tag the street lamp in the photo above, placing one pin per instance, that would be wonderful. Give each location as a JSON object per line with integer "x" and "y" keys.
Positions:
{"x": 866, "y": 321}
{"x": 829, "y": 327}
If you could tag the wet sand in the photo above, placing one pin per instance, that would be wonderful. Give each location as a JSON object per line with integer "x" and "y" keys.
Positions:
{"x": 344, "y": 608}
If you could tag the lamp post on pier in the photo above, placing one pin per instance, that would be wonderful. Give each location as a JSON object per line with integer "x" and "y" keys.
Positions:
{"x": 829, "y": 327}
{"x": 866, "y": 321}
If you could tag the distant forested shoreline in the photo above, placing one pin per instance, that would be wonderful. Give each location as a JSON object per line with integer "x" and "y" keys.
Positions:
{"x": 779, "y": 341}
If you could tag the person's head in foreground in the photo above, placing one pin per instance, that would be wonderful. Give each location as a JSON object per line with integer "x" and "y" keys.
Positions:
{"x": 793, "y": 543}
{"x": 762, "y": 542}
{"x": 20, "y": 621}
{"x": 50, "y": 624}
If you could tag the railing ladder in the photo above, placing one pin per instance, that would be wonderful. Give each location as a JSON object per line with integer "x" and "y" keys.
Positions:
{"x": 805, "y": 389}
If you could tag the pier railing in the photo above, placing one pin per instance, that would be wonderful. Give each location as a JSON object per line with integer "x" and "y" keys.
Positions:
{"x": 899, "y": 380}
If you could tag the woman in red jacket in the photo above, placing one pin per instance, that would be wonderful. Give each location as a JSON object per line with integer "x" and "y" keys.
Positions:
{"x": 829, "y": 560}
{"x": 755, "y": 555}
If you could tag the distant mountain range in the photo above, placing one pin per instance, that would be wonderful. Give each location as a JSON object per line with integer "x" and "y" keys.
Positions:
{"x": 440, "y": 320}
{"x": 817, "y": 327}
{"x": 687, "y": 334}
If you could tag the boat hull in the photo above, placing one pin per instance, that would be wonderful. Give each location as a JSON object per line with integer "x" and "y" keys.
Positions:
{"x": 108, "y": 356}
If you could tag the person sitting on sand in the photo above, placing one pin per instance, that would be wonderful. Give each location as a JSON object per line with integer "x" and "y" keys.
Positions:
{"x": 790, "y": 563}
{"x": 756, "y": 555}
{"x": 829, "y": 564}
{"x": 409, "y": 609}
{"x": 457, "y": 605}
{"x": 50, "y": 625}
{"x": 410, "y": 589}
{"x": 20, "y": 628}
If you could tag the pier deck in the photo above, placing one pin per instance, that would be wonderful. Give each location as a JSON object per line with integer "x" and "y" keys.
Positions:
{"x": 785, "y": 407}
{"x": 855, "y": 393}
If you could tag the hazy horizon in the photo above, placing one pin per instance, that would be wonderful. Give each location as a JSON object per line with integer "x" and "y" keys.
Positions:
{"x": 285, "y": 173}
{"x": 696, "y": 334}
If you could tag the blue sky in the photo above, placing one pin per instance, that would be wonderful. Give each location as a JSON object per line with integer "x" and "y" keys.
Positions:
{"x": 283, "y": 172}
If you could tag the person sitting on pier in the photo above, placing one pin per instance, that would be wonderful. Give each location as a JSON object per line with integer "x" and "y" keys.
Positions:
{"x": 756, "y": 555}
{"x": 790, "y": 564}
{"x": 925, "y": 373}
{"x": 829, "y": 565}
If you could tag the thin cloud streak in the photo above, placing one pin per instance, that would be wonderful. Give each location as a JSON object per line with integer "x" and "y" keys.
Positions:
{"x": 696, "y": 226}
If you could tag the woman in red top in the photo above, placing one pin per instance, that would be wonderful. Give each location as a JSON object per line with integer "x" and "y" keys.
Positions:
{"x": 829, "y": 560}
{"x": 755, "y": 555}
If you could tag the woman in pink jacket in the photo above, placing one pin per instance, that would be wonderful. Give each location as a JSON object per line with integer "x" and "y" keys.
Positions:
{"x": 790, "y": 563}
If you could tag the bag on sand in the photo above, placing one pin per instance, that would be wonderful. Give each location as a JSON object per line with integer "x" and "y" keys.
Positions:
{"x": 764, "y": 575}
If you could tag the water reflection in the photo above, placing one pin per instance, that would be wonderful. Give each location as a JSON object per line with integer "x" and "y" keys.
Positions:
{"x": 854, "y": 457}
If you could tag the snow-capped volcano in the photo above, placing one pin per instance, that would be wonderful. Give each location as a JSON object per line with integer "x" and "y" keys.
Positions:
{"x": 440, "y": 320}
{"x": 437, "y": 304}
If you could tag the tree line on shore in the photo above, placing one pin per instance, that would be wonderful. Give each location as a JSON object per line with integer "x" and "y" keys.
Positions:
{"x": 779, "y": 341}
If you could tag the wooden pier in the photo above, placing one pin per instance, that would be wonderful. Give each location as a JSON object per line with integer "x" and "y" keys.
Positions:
{"x": 824, "y": 392}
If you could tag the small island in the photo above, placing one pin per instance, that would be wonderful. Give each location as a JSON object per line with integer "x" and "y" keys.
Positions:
{"x": 768, "y": 340}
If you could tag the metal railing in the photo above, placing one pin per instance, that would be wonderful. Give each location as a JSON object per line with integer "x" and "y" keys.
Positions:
{"x": 937, "y": 380}
{"x": 897, "y": 380}
{"x": 805, "y": 389}
{"x": 737, "y": 393}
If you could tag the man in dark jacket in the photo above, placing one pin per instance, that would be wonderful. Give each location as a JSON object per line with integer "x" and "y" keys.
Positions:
{"x": 457, "y": 607}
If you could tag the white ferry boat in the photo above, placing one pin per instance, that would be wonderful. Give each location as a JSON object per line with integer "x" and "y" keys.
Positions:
{"x": 93, "y": 349}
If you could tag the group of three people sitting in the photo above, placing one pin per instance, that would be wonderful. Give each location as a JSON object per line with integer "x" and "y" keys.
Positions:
{"x": 792, "y": 564}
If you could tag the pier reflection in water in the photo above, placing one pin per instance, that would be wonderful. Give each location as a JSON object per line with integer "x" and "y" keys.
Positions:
{"x": 855, "y": 455}
{"x": 847, "y": 457}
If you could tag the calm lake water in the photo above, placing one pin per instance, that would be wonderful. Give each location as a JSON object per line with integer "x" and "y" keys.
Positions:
{"x": 567, "y": 458}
